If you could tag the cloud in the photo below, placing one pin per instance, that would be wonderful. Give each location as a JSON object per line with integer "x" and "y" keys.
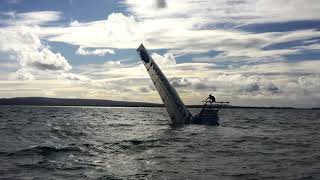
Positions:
{"x": 180, "y": 36}
{"x": 43, "y": 59}
{"x": 14, "y": 1}
{"x": 24, "y": 45}
{"x": 204, "y": 86}
{"x": 259, "y": 86}
{"x": 31, "y": 18}
{"x": 251, "y": 87}
{"x": 144, "y": 89}
{"x": 180, "y": 82}
{"x": 96, "y": 52}
{"x": 166, "y": 60}
{"x": 20, "y": 38}
{"x": 272, "y": 88}
{"x": 194, "y": 81}
{"x": 161, "y": 4}
{"x": 311, "y": 82}
{"x": 244, "y": 69}
{"x": 118, "y": 31}
{"x": 230, "y": 11}
{"x": 169, "y": 28}
{"x": 23, "y": 75}
{"x": 74, "y": 77}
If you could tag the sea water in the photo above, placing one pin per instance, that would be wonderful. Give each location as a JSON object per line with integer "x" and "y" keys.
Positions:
{"x": 140, "y": 143}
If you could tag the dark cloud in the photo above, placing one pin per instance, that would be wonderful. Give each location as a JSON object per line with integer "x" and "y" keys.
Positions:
{"x": 127, "y": 90}
{"x": 191, "y": 83}
{"x": 260, "y": 88}
{"x": 252, "y": 87}
{"x": 272, "y": 88}
{"x": 180, "y": 82}
{"x": 236, "y": 2}
{"x": 152, "y": 88}
{"x": 144, "y": 89}
{"x": 44, "y": 66}
{"x": 203, "y": 86}
{"x": 161, "y": 4}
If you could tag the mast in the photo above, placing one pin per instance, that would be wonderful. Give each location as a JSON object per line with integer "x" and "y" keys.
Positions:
{"x": 178, "y": 112}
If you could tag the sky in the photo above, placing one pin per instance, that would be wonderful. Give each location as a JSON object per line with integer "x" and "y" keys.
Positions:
{"x": 248, "y": 52}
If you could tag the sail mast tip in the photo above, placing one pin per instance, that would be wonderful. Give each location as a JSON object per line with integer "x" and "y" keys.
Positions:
{"x": 141, "y": 47}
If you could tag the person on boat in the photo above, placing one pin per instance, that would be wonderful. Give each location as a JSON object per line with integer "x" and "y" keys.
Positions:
{"x": 211, "y": 98}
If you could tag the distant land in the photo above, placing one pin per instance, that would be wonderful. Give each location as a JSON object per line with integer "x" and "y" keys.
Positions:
{"x": 44, "y": 101}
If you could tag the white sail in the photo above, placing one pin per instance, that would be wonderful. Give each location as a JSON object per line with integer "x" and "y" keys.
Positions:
{"x": 178, "y": 112}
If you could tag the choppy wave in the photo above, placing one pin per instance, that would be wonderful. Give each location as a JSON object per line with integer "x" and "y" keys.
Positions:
{"x": 43, "y": 150}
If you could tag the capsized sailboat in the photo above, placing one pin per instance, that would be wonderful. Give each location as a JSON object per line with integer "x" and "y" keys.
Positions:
{"x": 177, "y": 111}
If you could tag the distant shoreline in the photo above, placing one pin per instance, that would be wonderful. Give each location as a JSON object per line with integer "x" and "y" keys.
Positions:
{"x": 44, "y": 101}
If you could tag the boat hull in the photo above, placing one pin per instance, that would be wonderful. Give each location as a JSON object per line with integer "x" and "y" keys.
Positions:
{"x": 206, "y": 117}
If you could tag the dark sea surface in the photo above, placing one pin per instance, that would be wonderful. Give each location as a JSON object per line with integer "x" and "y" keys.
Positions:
{"x": 139, "y": 143}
